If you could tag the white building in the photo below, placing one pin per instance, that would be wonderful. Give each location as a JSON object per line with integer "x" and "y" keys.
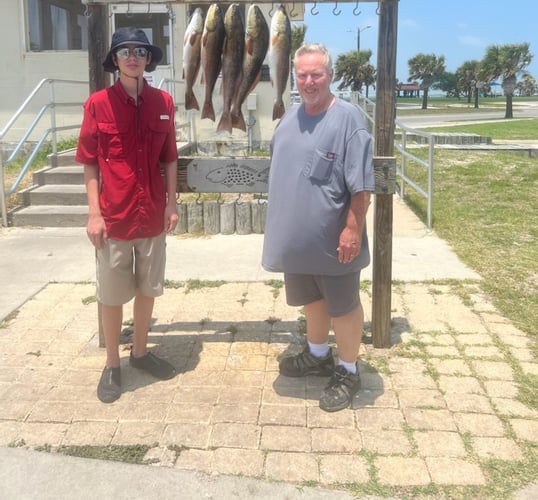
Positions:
{"x": 48, "y": 39}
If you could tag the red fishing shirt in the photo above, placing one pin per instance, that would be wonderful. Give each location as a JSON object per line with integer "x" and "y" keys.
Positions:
{"x": 127, "y": 142}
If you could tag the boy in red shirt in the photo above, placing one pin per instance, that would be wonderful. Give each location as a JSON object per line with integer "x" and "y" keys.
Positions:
{"x": 127, "y": 145}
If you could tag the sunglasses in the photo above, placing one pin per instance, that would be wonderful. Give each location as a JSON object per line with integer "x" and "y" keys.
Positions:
{"x": 125, "y": 53}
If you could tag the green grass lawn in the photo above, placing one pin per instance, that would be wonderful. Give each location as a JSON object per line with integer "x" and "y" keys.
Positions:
{"x": 525, "y": 129}
{"x": 485, "y": 205}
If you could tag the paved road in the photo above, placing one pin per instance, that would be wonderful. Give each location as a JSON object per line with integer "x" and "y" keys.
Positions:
{"x": 520, "y": 110}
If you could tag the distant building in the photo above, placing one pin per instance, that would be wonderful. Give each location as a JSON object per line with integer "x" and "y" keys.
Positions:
{"x": 408, "y": 90}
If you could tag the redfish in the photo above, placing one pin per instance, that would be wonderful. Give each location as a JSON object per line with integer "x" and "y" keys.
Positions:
{"x": 256, "y": 45}
{"x": 232, "y": 60}
{"x": 279, "y": 57}
{"x": 212, "y": 43}
{"x": 192, "y": 56}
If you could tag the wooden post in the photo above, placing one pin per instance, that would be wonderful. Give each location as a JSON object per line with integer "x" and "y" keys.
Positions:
{"x": 97, "y": 50}
{"x": 384, "y": 145}
{"x": 97, "y": 45}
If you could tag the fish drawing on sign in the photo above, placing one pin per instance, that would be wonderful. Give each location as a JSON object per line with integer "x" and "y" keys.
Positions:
{"x": 279, "y": 57}
{"x": 238, "y": 175}
{"x": 192, "y": 56}
{"x": 232, "y": 61}
{"x": 256, "y": 45}
{"x": 212, "y": 42}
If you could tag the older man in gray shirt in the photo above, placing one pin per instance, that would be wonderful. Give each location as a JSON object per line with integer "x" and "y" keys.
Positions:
{"x": 319, "y": 191}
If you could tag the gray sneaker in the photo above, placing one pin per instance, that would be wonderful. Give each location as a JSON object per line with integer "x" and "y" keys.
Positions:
{"x": 305, "y": 363}
{"x": 340, "y": 390}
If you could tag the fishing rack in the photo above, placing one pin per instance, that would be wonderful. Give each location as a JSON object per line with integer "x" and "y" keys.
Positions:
{"x": 384, "y": 162}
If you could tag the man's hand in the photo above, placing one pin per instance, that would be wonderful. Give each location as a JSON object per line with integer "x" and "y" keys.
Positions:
{"x": 170, "y": 218}
{"x": 96, "y": 231}
{"x": 349, "y": 245}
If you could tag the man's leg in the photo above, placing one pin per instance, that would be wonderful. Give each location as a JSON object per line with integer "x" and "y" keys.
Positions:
{"x": 112, "y": 317}
{"x": 348, "y": 332}
{"x": 109, "y": 388}
{"x": 140, "y": 357}
{"x": 316, "y": 358}
{"x": 142, "y": 311}
{"x": 345, "y": 382}
{"x": 318, "y": 322}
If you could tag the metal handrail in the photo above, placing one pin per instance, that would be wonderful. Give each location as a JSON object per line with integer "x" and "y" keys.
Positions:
{"x": 367, "y": 109}
{"x": 51, "y": 106}
{"x": 188, "y": 123}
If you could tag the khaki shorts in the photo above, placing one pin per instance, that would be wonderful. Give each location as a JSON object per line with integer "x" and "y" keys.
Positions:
{"x": 123, "y": 267}
{"x": 341, "y": 293}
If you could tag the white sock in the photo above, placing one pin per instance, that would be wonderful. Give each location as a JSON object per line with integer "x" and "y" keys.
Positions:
{"x": 319, "y": 350}
{"x": 350, "y": 367}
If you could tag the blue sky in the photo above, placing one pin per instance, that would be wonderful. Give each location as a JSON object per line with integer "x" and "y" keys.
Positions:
{"x": 461, "y": 30}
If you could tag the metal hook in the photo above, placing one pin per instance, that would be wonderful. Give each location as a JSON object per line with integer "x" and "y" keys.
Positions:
{"x": 220, "y": 200}
{"x": 355, "y": 13}
{"x": 378, "y": 7}
{"x": 271, "y": 11}
{"x": 292, "y": 12}
{"x": 198, "y": 202}
{"x": 87, "y": 11}
{"x": 238, "y": 201}
{"x": 336, "y": 11}
{"x": 129, "y": 13}
{"x": 312, "y": 10}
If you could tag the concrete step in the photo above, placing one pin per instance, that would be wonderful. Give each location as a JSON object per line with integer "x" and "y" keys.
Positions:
{"x": 70, "y": 174}
{"x": 65, "y": 158}
{"x": 50, "y": 216}
{"x": 54, "y": 194}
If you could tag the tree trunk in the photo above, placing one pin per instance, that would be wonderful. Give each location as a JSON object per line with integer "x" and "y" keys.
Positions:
{"x": 425, "y": 98}
{"x": 509, "y": 111}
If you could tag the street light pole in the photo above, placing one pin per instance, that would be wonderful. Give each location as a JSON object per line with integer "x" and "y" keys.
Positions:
{"x": 359, "y": 37}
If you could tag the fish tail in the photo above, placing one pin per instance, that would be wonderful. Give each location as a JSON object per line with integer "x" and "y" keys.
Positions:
{"x": 278, "y": 110}
{"x": 238, "y": 121}
{"x": 225, "y": 122}
{"x": 208, "y": 111}
{"x": 190, "y": 101}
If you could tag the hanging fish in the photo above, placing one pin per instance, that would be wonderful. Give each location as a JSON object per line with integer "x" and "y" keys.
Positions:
{"x": 212, "y": 42}
{"x": 232, "y": 60}
{"x": 191, "y": 56}
{"x": 256, "y": 45}
{"x": 279, "y": 57}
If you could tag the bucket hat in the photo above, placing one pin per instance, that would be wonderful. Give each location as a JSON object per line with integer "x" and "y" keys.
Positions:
{"x": 126, "y": 36}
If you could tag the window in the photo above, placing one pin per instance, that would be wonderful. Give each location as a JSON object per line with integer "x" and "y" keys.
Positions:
{"x": 155, "y": 25}
{"x": 57, "y": 25}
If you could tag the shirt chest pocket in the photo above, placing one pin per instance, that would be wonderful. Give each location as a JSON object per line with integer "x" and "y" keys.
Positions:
{"x": 159, "y": 131}
{"x": 114, "y": 140}
{"x": 321, "y": 165}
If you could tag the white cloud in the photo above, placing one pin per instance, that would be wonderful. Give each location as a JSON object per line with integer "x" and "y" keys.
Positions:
{"x": 472, "y": 41}
{"x": 410, "y": 23}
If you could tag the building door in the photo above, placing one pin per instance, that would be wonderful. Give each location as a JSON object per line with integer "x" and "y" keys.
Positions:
{"x": 156, "y": 22}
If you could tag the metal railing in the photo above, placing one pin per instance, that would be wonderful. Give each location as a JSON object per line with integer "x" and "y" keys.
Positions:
{"x": 184, "y": 129}
{"x": 49, "y": 108}
{"x": 185, "y": 124}
{"x": 367, "y": 108}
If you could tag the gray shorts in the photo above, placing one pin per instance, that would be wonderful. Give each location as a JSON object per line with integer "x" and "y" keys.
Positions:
{"x": 123, "y": 267}
{"x": 341, "y": 293}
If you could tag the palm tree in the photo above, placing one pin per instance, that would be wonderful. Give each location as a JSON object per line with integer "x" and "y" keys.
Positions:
{"x": 353, "y": 70}
{"x": 468, "y": 79}
{"x": 427, "y": 68}
{"x": 298, "y": 33}
{"x": 506, "y": 61}
{"x": 527, "y": 85}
